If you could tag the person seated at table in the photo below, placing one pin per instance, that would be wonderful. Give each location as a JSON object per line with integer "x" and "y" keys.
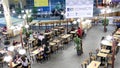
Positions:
{"x": 72, "y": 29}
{"x": 4, "y": 29}
{"x": 25, "y": 62}
{"x": 25, "y": 40}
{"x": 35, "y": 34}
{"x": 31, "y": 36}
{"x": 47, "y": 30}
{"x": 14, "y": 42}
{"x": 1, "y": 41}
{"x": 46, "y": 49}
{"x": 40, "y": 39}
{"x": 17, "y": 58}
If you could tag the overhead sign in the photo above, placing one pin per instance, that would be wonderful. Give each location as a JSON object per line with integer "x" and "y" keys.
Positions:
{"x": 41, "y": 3}
{"x": 79, "y": 8}
{"x": 115, "y": 0}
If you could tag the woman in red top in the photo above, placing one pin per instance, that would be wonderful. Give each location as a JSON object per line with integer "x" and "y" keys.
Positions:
{"x": 79, "y": 32}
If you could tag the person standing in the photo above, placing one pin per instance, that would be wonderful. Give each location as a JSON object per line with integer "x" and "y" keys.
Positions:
{"x": 79, "y": 32}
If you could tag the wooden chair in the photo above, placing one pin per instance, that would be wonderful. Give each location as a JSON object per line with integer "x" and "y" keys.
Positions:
{"x": 1, "y": 62}
{"x": 91, "y": 56}
{"x": 85, "y": 63}
{"x": 103, "y": 47}
{"x": 109, "y": 60}
{"x": 39, "y": 57}
{"x": 97, "y": 50}
{"x": 48, "y": 53}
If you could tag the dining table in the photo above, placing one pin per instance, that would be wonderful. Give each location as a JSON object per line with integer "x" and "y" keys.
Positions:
{"x": 94, "y": 64}
{"x": 105, "y": 51}
{"x": 100, "y": 54}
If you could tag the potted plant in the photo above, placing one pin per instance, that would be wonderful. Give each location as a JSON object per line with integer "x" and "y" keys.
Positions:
{"x": 78, "y": 45}
{"x": 105, "y": 23}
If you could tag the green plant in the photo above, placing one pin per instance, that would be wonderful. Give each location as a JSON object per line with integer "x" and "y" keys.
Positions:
{"x": 29, "y": 19}
{"x": 24, "y": 30}
{"x": 105, "y": 22}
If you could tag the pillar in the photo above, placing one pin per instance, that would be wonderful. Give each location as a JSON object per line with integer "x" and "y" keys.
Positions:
{"x": 5, "y": 4}
{"x": 21, "y": 5}
{"x": 96, "y": 3}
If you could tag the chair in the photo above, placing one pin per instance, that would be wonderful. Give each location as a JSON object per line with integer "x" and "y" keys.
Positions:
{"x": 103, "y": 47}
{"x": 92, "y": 57}
{"x": 109, "y": 60}
{"x": 1, "y": 62}
{"x": 48, "y": 53}
{"x": 97, "y": 50}
{"x": 39, "y": 58}
{"x": 85, "y": 63}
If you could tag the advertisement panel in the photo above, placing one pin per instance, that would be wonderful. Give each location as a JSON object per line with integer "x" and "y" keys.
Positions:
{"x": 40, "y": 3}
{"x": 79, "y": 8}
{"x": 115, "y": 0}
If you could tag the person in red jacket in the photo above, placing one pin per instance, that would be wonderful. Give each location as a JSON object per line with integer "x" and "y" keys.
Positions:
{"x": 79, "y": 32}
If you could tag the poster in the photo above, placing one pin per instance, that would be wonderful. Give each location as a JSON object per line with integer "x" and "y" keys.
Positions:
{"x": 40, "y": 3}
{"x": 79, "y": 8}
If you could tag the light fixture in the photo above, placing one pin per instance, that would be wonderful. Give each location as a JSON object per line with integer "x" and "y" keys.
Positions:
{"x": 12, "y": 27}
{"x": 27, "y": 11}
{"x": 22, "y": 51}
{"x": 19, "y": 16}
{"x": 69, "y": 23}
{"x": 0, "y": 12}
{"x": 20, "y": 25}
{"x": 7, "y": 58}
{"x": 30, "y": 10}
{"x": 13, "y": 11}
{"x": 19, "y": 28}
{"x": 11, "y": 48}
{"x": 109, "y": 10}
{"x": 26, "y": 26}
{"x": 81, "y": 18}
{"x": 74, "y": 22}
{"x": 88, "y": 21}
{"x": 78, "y": 20}
{"x": 108, "y": 1}
{"x": 22, "y": 11}
{"x": 29, "y": 16}
{"x": 102, "y": 10}
{"x": 39, "y": 9}
{"x": 24, "y": 16}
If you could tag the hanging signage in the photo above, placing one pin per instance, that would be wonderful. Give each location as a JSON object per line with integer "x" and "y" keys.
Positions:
{"x": 79, "y": 8}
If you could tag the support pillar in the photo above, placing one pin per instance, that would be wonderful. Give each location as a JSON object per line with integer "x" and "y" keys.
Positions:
{"x": 5, "y": 4}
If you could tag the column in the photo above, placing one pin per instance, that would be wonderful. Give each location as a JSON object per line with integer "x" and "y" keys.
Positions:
{"x": 21, "y": 5}
{"x": 7, "y": 13}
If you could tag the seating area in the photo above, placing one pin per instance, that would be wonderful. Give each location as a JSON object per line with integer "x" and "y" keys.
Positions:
{"x": 103, "y": 57}
{"x": 59, "y": 34}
